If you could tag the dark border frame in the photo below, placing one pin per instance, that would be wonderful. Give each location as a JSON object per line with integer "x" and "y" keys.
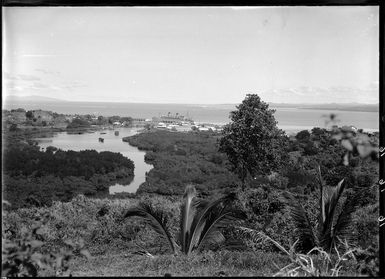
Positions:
{"x": 381, "y": 4}
{"x": 382, "y": 144}
{"x": 15, "y": 3}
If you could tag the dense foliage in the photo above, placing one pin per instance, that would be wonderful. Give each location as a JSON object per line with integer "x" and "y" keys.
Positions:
{"x": 78, "y": 123}
{"x": 111, "y": 240}
{"x": 33, "y": 177}
{"x": 252, "y": 141}
{"x": 334, "y": 218}
{"x": 183, "y": 158}
{"x": 266, "y": 210}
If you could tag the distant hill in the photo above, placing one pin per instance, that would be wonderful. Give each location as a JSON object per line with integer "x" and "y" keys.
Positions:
{"x": 48, "y": 103}
{"x": 330, "y": 106}
{"x": 344, "y": 107}
{"x": 32, "y": 98}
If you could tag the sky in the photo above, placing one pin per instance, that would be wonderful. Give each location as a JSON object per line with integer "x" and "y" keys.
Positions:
{"x": 201, "y": 55}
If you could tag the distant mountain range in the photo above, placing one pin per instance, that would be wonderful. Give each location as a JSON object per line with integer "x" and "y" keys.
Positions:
{"x": 15, "y": 100}
{"x": 332, "y": 106}
{"x": 32, "y": 98}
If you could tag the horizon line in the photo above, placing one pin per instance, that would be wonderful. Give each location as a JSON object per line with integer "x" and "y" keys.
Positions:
{"x": 181, "y": 103}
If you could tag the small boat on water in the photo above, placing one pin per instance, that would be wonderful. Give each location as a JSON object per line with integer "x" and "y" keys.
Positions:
{"x": 102, "y": 133}
{"x": 101, "y": 139}
{"x": 116, "y": 133}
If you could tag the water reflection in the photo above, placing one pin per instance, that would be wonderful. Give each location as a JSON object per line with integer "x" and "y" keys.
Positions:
{"x": 112, "y": 142}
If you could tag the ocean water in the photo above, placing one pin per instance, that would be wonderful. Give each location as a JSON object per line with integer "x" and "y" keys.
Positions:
{"x": 289, "y": 119}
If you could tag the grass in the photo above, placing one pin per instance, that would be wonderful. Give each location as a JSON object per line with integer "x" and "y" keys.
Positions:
{"x": 222, "y": 263}
{"x": 113, "y": 241}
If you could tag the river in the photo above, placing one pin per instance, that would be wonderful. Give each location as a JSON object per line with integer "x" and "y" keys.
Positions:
{"x": 113, "y": 143}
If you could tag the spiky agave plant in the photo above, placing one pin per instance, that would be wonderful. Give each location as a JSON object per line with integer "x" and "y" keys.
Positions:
{"x": 332, "y": 228}
{"x": 200, "y": 221}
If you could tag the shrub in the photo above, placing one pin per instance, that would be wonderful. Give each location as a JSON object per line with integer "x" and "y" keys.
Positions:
{"x": 22, "y": 256}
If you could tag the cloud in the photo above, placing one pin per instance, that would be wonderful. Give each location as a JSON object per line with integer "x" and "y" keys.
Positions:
{"x": 22, "y": 77}
{"x": 9, "y": 76}
{"x": 13, "y": 86}
{"x": 73, "y": 85}
{"x": 39, "y": 85}
{"x": 39, "y": 55}
{"x": 48, "y": 72}
{"x": 333, "y": 94}
{"x": 27, "y": 77}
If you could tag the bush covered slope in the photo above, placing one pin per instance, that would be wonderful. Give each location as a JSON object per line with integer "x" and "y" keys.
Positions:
{"x": 33, "y": 177}
{"x": 181, "y": 158}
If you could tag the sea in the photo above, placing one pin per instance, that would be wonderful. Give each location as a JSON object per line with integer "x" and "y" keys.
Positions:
{"x": 290, "y": 119}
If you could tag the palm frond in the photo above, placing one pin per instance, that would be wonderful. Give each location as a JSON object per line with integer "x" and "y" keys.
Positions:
{"x": 341, "y": 229}
{"x": 259, "y": 236}
{"x": 322, "y": 215}
{"x": 303, "y": 228}
{"x": 218, "y": 218}
{"x": 201, "y": 219}
{"x": 332, "y": 197}
{"x": 157, "y": 219}
{"x": 188, "y": 211}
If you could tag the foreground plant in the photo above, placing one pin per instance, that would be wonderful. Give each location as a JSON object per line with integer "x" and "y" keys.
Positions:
{"x": 332, "y": 228}
{"x": 314, "y": 263}
{"x": 23, "y": 257}
{"x": 200, "y": 221}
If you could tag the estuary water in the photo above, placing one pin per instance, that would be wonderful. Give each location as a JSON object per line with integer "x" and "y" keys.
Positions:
{"x": 290, "y": 119}
{"x": 113, "y": 143}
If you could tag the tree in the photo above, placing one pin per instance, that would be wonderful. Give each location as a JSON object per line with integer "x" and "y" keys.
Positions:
{"x": 200, "y": 221}
{"x": 253, "y": 143}
{"x": 29, "y": 114}
{"x": 303, "y": 136}
{"x": 78, "y": 123}
{"x": 113, "y": 119}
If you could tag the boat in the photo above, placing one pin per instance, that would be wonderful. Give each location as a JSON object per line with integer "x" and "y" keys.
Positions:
{"x": 161, "y": 125}
{"x": 116, "y": 133}
{"x": 101, "y": 139}
{"x": 177, "y": 119}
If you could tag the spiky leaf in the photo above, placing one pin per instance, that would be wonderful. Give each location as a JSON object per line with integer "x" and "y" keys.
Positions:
{"x": 188, "y": 211}
{"x": 342, "y": 229}
{"x": 303, "y": 228}
{"x": 157, "y": 219}
{"x": 220, "y": 215}
{"x": 331, "y": 196}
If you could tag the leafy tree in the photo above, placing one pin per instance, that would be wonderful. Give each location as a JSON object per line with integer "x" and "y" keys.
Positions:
{"x": 127, "y": 119}
{"x": 200, "y": 222}
{"x": 102, "y": 120}
{"x": 18, "y": 110}
{"x": 303, "y": 136}
{"x": 252, "y": 141}
{"x": 316, "y": 131}
{"x": 310, "y": 149}
{"x": 78, "y": 123}
{"x": 29, "y": 114}
{"x": 113, "y": 119}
